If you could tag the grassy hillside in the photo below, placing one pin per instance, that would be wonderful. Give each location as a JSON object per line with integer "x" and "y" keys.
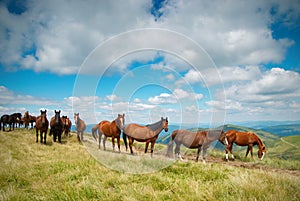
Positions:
{"x": 32, "y": 171}
{"x": 286, "y": 148}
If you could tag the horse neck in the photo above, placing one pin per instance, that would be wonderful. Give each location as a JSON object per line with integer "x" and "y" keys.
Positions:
{"x": 156, "y": 127}
{"x": 259, "y": 143}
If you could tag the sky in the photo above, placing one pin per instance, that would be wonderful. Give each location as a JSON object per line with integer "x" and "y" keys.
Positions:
{"x": 195, "y": 62}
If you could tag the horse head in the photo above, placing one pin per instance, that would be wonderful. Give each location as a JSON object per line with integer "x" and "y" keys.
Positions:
{"x": 120, "y": 121}
{"x": 223, "y": 138}
{"x": 76, "y": 117}
{"x": 43, "y": 116}
{"x": 165, "y": 124}
{"x": 262, "y": 152}
{"x": 57, "y": 116}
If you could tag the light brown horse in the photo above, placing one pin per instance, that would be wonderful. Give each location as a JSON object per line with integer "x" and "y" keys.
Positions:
{"x": 28, "y": 119}
{"x": 148, "y": 133}
{"x": 111, "y": 129}
{"x": 245, "y": 139}
{"x": 80, "y": 127}
{"x": 200, "y": 140}
{"x": 41, "y": 125}
{"x": 67, "y": 124}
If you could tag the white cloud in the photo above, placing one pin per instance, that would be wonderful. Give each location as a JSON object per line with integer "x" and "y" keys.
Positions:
{"x": 163, "y": 98}
{"x": 64, "y": 33}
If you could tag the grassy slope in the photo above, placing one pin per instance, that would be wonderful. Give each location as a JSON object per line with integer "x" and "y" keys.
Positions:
{"x": 30, "y": 171}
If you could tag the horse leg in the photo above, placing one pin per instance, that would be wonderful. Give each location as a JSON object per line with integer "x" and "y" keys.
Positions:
{"x": 152, "y": 147}
{"x": 146, "y": 146}
{"x": 78, "y": 136}
{"x": 198, "y": 152}
{"x": 113, "y": 143}
{"x": 118, "y": 139}
{"x": 45, "y": 137}
{"x": 100, "y": 136}
{"x": 81, "y": 136}
{"x": 250, "y": 146}
{"x": 247, "y": 152}
{"x": 130, "y": 139}
{"x": 104, "y": 140}
{"x": 177, "y": 151}
{"x": 37, "y": 135}
{"x": 41, "y": 136}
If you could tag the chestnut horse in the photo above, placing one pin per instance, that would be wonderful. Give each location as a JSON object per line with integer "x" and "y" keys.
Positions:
{"x": 195, "y": 140}
{"x": 67, "y": 124}
{"x": 56, "y": 126}
{"x": 245, "y": 139}
{"x": 28, "y": 119}
{"x": 41, "y": 125}
{"x": 148, "y": 133}
{"x": 111, "y": 129}
{"x": 80, "y": 127}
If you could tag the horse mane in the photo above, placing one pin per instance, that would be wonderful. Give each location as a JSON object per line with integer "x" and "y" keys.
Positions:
{"x": 155, "y": 126}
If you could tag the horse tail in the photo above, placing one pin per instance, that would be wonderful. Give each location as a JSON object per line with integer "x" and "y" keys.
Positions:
{"x": 125, "y": 139}
{"x": 170, "y": 144}
{"x": 94, "y": 131}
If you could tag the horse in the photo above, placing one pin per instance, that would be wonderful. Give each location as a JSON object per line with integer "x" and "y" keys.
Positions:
{"x": 66, "y": 125}
{"x": 245, "y": 139}
{"x": 56, "y": 126}
{"x": 10, "y": 120}
{"x": 200, "y": 140}
{"x": 80, "y": 127}
{"x": 41, "y": 125}
{"x": 148, "y": 133}
{"x": 28, "y": 119}
{"x": 111, "y": 129}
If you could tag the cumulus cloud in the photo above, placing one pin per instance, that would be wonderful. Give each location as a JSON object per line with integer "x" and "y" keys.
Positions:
{"x": 48, "y": 37}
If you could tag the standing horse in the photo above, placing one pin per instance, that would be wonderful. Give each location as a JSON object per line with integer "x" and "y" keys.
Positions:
{"x": 245, "y": 139}
{"x": 111, "y": 129}
{"x": 56, "y": 126}
{"x": 11, "y": 120}
{"x": 80, "y": 127}
{"x": 41, "y": 125}
{"x": 195, "y": 140}
{"x": 66, "y": 125}
{"x": 28, "y": 119}
{"x": 148, "y": 133}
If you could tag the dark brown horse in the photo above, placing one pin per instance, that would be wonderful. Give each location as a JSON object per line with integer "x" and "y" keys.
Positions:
{"x": 41, "y": 125}
{"x": 245, "y": 139}
{"x": 200, "y": 140}
{"x": 67, "y": 124}
{"x": 111, "y": 129}
{"x": 148, "y": 133}
{"x": 56, "y": 126}
{"x": 28, "y": 119}
{"x": 80, "y": 127}
{"x": 11, "y": 120}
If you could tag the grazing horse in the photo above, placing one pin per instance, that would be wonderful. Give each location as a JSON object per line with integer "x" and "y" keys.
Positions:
{"x": 10, "y": 120}
{"x": 111, "y": 129}
{"x": 80, "y": 127}
{"x": 28, "y": 119}
{"x": 41, "y": 125}
{"x": 148, "y": 133}
{"x": 66, "y": 125}
{"x": 245, "y": 139}
{"x": 56, "y": 126}
{"x": 195, "y": 140}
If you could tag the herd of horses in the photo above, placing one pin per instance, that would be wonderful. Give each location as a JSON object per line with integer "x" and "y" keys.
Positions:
{"x": 199, "y": 140}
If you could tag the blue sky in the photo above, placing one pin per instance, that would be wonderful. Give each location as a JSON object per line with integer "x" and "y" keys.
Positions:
{"x": 193, "y": 61}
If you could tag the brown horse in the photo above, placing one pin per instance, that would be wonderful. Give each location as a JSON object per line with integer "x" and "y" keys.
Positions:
{"x": 56, "y": 126}
{"x": 80, "y": 127}
{"x": 28, "y": 119}
{"x": 41, "y": 125}
{"x": 245, "y": 139}
{"x": 67, "y": 124}
{"x": 111, "y": 129}
{"x": 195, "y": 140}
{"x": 148, "y": 133}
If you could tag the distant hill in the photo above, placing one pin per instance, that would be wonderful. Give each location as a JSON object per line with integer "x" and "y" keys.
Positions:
{"x": 286, "y": 148}
{"x": 283, "y": 130}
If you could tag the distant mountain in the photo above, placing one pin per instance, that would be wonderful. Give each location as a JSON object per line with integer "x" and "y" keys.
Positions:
{"x": 264, "y": 124}
{"x": 284, "y": 130}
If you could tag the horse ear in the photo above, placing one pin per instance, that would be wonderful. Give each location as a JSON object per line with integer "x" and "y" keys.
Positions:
{"x": 59, "y": 111}
{"x": 123, "y": 115}
{"x": 166, "y": 118}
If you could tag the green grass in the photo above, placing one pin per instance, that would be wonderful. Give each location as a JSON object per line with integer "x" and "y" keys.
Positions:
{"x": 32, "y": 171}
